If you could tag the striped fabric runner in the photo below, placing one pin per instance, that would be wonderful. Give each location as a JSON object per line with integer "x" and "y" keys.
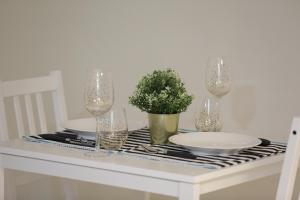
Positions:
{"x": 136, "y": 138}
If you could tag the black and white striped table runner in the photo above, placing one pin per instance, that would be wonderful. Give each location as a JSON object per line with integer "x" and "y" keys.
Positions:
{"x": 136, "y": 138}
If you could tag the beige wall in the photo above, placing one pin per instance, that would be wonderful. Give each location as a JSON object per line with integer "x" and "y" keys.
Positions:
{"x": 134, "y": 37}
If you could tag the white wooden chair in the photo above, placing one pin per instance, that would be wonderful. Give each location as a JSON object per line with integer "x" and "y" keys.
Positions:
{"x": 290, "y": 164}
{"x": 24, "y": 90}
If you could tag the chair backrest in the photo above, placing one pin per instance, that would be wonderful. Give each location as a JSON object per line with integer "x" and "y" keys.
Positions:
{"x": 24, "y": 90}
{"x": 290, "y": 164}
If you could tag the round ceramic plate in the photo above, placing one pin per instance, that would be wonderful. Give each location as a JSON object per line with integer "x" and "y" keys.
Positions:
{"x": 88, "y": 125}
{"x": 214, "y": 142}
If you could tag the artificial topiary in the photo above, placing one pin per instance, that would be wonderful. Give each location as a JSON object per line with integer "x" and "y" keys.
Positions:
{"x": 161, "y": 92}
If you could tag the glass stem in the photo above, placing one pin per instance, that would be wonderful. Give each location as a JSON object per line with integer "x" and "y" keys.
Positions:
{"x": 98, "y": 132}
{"x": 219, "y": 122}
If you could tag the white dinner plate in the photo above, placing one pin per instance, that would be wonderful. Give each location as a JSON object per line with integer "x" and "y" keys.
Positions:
{"x": 214, "y": 142}
{"x": 88, "y": 125}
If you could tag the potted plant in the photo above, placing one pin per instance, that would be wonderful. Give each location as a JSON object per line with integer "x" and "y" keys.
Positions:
{"x": 163, "y": 96}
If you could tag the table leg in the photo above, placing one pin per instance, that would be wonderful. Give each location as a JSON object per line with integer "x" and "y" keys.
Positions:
{"x": 1, "y": 183}
{"x": 189, "y": 191}
{"x": 147, "y": 196}
{"x": 70, "y": 189}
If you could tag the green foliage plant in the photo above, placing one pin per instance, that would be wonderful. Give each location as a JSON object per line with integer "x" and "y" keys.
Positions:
{"x": 161, "y": 92}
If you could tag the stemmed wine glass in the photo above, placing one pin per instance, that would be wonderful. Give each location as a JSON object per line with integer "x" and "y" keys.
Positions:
{"x": 218, "y": 77}
{"x": 98, "y": 99}
{"x": 218, "y": 80}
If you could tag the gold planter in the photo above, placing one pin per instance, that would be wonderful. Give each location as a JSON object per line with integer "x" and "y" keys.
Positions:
{"x": 162, "y": 126}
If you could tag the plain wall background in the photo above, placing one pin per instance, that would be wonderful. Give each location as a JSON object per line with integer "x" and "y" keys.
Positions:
{"x": 133, "y": 37}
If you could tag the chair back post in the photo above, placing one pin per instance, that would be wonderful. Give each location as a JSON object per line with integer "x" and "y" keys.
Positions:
{"x": 3, "y": 122}
{"x": 290, "y": 164}
{"x": 59, "y": 102}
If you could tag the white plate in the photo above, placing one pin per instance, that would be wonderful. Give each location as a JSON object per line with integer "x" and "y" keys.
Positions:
{"x": 88, "y": 125}
{"x": 214, "y": 142}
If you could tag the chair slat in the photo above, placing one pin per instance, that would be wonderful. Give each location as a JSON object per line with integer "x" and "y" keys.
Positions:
{"x": 19, "y": 118}
{"x": 59, "y": 101}
{"x": 56, "y": 108}
{"x": 3, "y": 121}
{"x": 41, "y": 112}
{"x": 30, "y": 116}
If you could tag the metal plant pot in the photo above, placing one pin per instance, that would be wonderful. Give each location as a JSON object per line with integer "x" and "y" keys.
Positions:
{"x": 162, "y": 126}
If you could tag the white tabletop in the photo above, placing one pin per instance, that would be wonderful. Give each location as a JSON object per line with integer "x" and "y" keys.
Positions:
{"x": 50, "y": 159}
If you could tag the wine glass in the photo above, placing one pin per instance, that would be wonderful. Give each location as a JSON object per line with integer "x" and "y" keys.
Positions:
{"x": 218, "y": 79}
{"x": 98, "y": 99}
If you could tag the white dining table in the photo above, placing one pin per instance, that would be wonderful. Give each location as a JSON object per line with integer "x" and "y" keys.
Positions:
{"x": 179, "y": 180}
